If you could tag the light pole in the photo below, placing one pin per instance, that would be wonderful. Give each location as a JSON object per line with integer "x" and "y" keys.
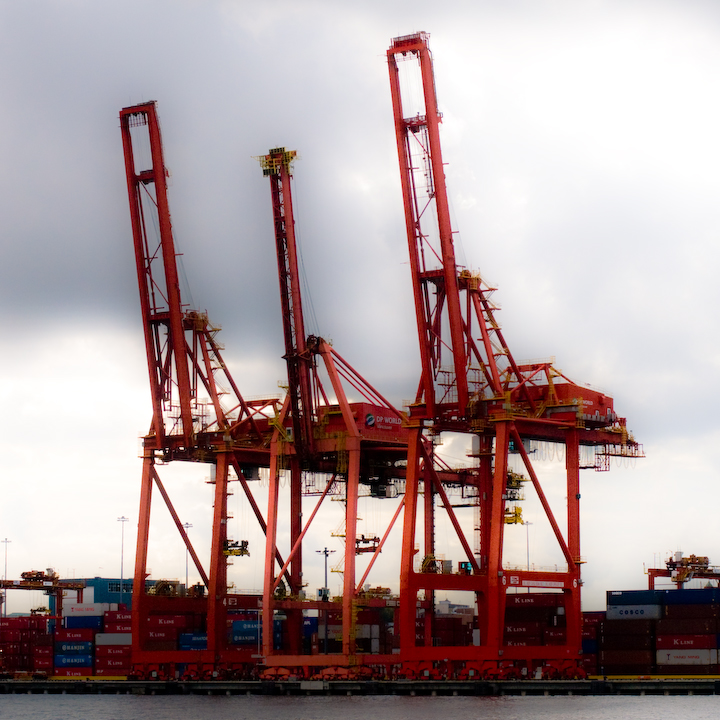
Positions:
{"x": 122, "y": 520}
{"x": 527, "y": 528}
{"x": 5, "y": 577}
{"x": 326, "y": 592}
{"x": 187, "y": 526}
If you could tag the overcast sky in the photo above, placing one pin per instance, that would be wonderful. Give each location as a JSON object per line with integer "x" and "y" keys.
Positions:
{"x": 582, "y": 150}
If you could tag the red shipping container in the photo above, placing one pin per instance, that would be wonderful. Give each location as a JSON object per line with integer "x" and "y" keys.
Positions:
{"x": 555, "y": 636}
{"x": 668, "y": 642}
{"x": 523, "y": 641}
{"x": 162, "y": 634}
{"x": 42, "y": 651}
{"x": 166, "y": 621}
{"x": 589, "y": 633}
{"x": 626, "y": 642}
{"x": 113, "y": 651}
{"x": 42, "y": 640}
{"x": 10, "y": 648}
{"x": 692, "y": 612}
{"x": 160, "y": 645}
{"x": 626, "y": 657}
{"x": 690, "y": 626}
{"x": 73, "y": 672}
{"x": 82, "y": 634}
{"x": 685, "y": 670}
{"x": 534, "y": 628}
{"x": 543, "y": 615}
{"x": 42, "y": 663}
{"x": 593, "y": 618}
{"x": 106, "y": 663}
{"x": 629, "y": 627}
{"x": 113, "y": 672}
{"x": 117, "y": 616}
{"x": 24, "y": 622}
{"x": 10, "y": 636}
{"x": 535, "y": 600}
{"x": 118, "y": 627}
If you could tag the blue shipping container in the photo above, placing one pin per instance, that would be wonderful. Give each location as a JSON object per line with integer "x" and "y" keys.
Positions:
{"x": 192, "y": 641}
{"x": 74, "y": 647}
{"x": 590, "y": 646}
{"x": 242, "y": 626}
{"x": 73, "y": 660}
{"x": 699, "y": 596}
{"x": 95, "y": 622}
{"x": 634, "y": 597}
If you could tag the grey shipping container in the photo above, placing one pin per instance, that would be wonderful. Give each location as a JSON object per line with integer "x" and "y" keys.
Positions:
{"x": 634, "y": 612}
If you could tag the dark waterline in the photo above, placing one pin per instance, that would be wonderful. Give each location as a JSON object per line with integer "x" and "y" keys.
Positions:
{"x": 126, "y": 707}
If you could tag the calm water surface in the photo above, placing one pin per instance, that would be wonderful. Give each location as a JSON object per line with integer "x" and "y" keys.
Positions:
{"x": 239, "y": 707}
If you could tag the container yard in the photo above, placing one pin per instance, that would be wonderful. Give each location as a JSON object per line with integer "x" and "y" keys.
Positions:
{"x": 333, "y": 436}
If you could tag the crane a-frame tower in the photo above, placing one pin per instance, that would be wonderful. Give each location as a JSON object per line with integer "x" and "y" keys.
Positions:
{"x": 351, "y": 444}
{"x": 471, "y": 384}
{"x": 198, "y": 414}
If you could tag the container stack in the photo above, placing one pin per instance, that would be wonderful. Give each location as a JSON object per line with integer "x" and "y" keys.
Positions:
{"x": 23, "y": 642}
{"x": 591, "y": 623}
{"x": 245, "y": 630}
{"x": 75, "y": 641}
{"x": 534, "y": 619}
{"x": 686, "y": 641}
{"x": 113, "y": 647}
{"x": 660, "y": 632}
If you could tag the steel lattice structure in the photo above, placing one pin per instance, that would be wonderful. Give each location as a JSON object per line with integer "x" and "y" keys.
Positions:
{"x": 471, "y": 384}
{"x": 199, "y": 414}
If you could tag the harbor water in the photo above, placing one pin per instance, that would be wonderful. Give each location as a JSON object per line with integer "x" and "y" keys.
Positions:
{"x": 238, "y": 707}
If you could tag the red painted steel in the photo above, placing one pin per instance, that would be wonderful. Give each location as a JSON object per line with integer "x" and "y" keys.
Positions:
{"x": 349, "y": 443}
{"x": 186, "y": 371}
{"x": 471, "y": 384}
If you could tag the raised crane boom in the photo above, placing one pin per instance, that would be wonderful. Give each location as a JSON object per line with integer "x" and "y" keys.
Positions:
{"x": 199, "y": 414}
{"x": 471, "y": 384}
{"x": 277, "y": 166}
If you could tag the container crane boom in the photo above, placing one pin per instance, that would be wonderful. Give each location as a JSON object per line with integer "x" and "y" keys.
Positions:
{"x": 277, "y": 166}
{"x": 480, "y": 391}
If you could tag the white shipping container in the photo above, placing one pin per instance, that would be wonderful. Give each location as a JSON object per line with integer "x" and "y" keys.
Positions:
{"x": 334, "y": 632}
{"x": 690, "y": 656}
{"x": 72, "y": 609}
{"x": 634, "y": 612}
{"x": 113, "y": 639}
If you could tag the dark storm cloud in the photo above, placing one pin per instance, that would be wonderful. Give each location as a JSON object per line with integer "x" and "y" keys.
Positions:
{"x": 581, "y": 148}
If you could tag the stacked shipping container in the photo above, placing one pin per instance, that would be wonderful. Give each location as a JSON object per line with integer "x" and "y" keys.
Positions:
{"x": 75, "y": 641}
{"x": 25, "y": 644}
{"x": 113, "y": 647}
{"x": 654, "y": 632}
{"x": 535, "y": 619}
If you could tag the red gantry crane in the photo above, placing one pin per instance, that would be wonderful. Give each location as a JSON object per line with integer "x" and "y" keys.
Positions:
{"x": 471, "y": 384}
{"x": 350, "y": 445}
{"x": 198, "y": 416}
